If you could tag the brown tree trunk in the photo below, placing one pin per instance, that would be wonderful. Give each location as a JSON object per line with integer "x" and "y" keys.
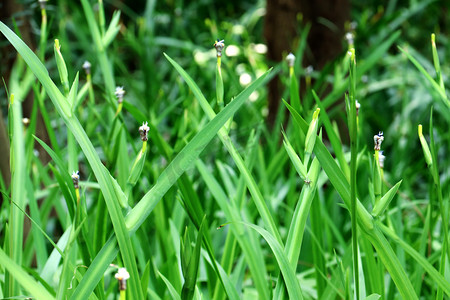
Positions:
{"x": 8, "y": 9}
{"x": 281, "y": 27}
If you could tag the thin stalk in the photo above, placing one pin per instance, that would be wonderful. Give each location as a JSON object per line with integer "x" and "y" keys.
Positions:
{"x": 353, "y": 161}
{"x": 43, "y": 37}
{"x": 18, "y": 173}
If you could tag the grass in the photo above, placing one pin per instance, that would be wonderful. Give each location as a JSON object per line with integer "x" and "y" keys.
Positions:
{"x": 285, "y": 213}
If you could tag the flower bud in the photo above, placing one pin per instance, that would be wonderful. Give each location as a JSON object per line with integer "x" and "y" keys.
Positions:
{"x": 425, "y": 148}
{"x": 358, "y": 106}
{"x": 143, "y": 131}
{"x": 219, "y": 45}
{"x": 122, "y": 276}
{"x": 350, "y": 38}
{"x": 87, "y": 67}
{"x": 309, "y": 70}
{"x": 290, "y": 60}
{"x": 43, "y": 3}
{"x": 311, "y": 135}
{"x": 76, "y": 179}
{"x": 381, "y": 159}
{"x": 378, "y": 139}
{"x": 119, "y": 93}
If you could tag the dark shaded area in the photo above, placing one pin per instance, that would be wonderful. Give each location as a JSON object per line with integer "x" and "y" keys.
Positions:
{"x": 281, "y": 26}
{"x": 12, "y": 10}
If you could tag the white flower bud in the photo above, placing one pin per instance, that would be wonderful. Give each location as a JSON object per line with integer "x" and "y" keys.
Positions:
{"x": 143, "y": 131}
{"x": 377, "y": 140}
{"x": 290, "y": 60}
{"x": 219, "y": 45}
{"x": 119, "y": 93}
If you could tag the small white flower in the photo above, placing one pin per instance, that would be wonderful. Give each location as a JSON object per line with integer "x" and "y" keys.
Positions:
{"x": 219, "y": 45}
{"x": 377, "y": 140}
{"x": 43, "y": 3}
{"x": 87, "y": 67}
{"x": 358, "y": 106}
{"x": 349, "y": 37}
{"x": 143, "y": 131}
{"x": 290, "y": 58}
{"x": 308, "y": 71}
{"x": 119, "y": 93}
{"x": 122, "y": 275}
{"x": 76, "y": 179}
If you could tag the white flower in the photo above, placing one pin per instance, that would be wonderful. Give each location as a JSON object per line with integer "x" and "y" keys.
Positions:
{"x": 122, "y": 275}
{"x": 219, "y": 45}
{"x": 377, "y": 140}
{"x": 290, "y": 58}
{"x": 76, "y": 179}
{"x": 143, "y": 131}
{"x": 87, "y": 67}
{"x": 119, "y": 93}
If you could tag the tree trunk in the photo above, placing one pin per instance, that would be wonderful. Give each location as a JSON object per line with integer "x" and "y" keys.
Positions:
{"x": 281, "y": 27}
{"x": 8, "y": 9}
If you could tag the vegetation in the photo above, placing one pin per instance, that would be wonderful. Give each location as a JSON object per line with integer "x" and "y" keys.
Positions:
{"x": 141, "y": 201}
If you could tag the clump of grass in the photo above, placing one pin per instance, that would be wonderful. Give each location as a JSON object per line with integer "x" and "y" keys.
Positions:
{"x": 257, "y": 213}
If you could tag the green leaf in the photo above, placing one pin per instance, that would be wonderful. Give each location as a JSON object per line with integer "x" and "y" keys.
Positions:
{"x": 113, "y": 29}
{"x": 72, "y": 97}
{"x": 25, "y": 280}
{"x": 381, "y": 206}
{"x": 289, "y": 277}
{"x": 172, "y": 291}
{"x": 428, "y": 77}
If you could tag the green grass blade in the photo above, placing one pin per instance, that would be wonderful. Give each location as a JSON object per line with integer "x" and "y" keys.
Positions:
{"x": 172, "y": 291}
{"x": 381, "y": 206}
{"x": 434, "y": 274}
{"x": 106, "y": 184}
{"x": 25, "y": 280}
{"x": 223, "y": 135}
{"x": 186, "y": 157}
{"x": 351, "y": 119}
{"x": 289, "y": 277}
{"x": 365, "y": 220}
{"x": 166, "y": 180}
{"x": 18, "y": 192}
{"x": 252, "y": 252}
{"x": 332, "y": 136}
{"x": 430, "y": 79}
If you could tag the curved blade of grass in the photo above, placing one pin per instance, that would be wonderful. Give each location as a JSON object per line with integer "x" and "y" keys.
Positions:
{"x": 223, "y": 135}
{"x": 187, "y": 157}
{"x": 430, "y": 79}
{"x": 252, "y": 253}
{"x": 166, "y": 180}
{"x": 381, "y": 205}
{"x": 294, "y": 240}
{"x": 227, "y": 282}
{"x": 289, "y": 277}
{"x": 434, "y": 274}
{"x": 101, "y": 173}
{"x": 25, "y": 280}
{"x": 332, "y": 136}
{"x": 172, "y": 291}
{"x": 18, "y": 192}
{"x": 377, "y": 52}
{"x": 365, "y": 220}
